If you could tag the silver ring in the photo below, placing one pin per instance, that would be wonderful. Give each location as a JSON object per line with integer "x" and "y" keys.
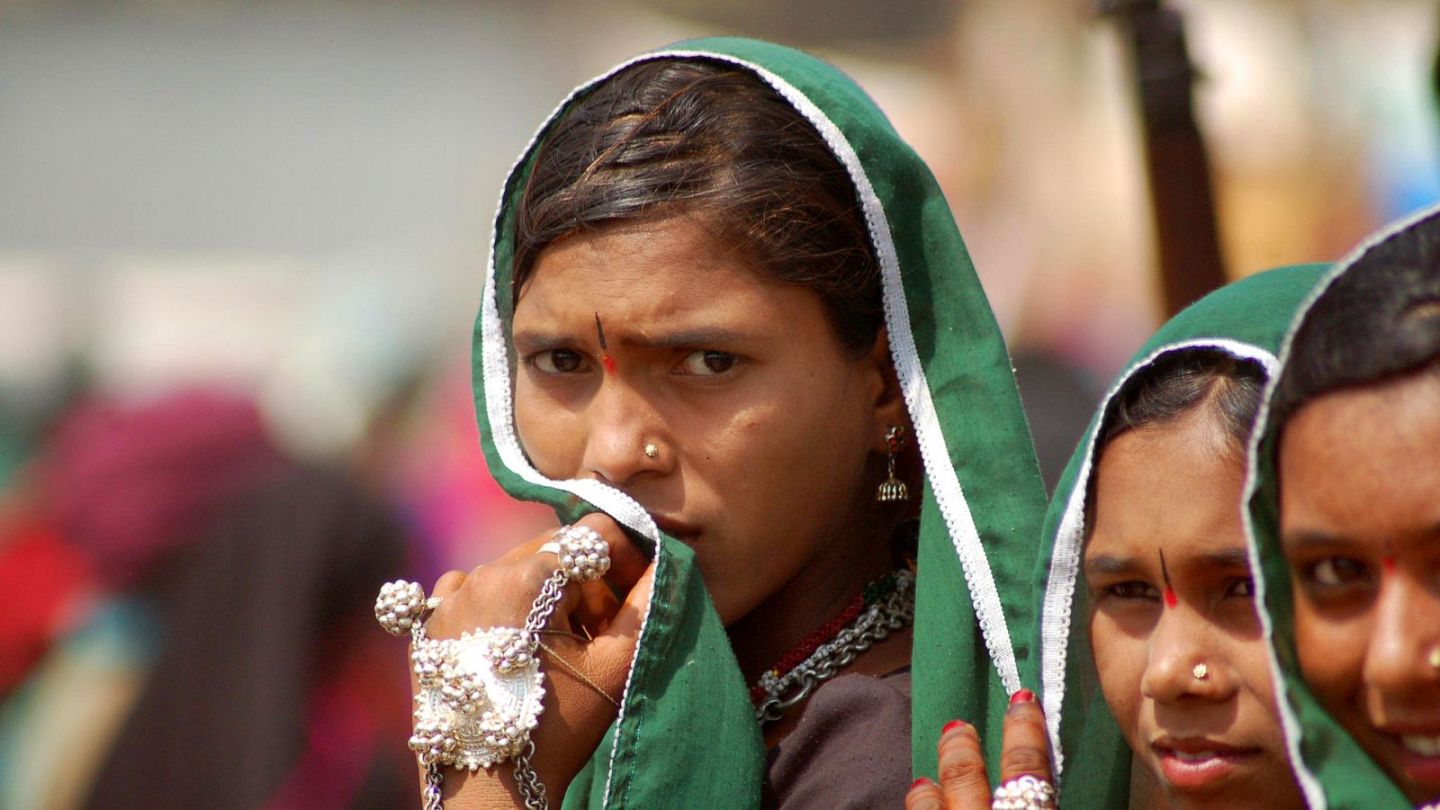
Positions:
{"x": 583, "y": 553}
{"x": 402, "y": 606}
{"x": 1024, "y": 793}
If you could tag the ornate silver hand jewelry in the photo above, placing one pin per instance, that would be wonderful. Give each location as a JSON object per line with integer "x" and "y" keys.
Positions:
{"x": 480, "y": 695}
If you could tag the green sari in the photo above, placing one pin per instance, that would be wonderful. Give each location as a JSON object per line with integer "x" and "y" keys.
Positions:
{"x": 1332, "y": 769}
{"x": 1247, "y": 320}
{"x": 686, "y": 734}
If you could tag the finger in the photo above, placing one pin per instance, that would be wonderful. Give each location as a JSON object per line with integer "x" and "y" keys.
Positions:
{"x": 594, "y": 607}
{"x": 631, "y": 615}
{"x": 627, "y": 560}
{"x": 1026, "y": 744}
{"x": 963, "y": 780}
{"x": 607, "y": 658}
{"x": 448, "y": 583}
{"x": 593, "y": 604}
{"x": 924, "y": 795}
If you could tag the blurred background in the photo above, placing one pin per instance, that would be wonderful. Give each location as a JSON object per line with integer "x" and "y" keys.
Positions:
{"x": 241, "y": 247}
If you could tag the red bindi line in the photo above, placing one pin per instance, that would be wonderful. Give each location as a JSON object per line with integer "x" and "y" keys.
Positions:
{"x": 1170, "y": 599}
{"x": 1387, "y": 560}
{"x": 605, "y": 359}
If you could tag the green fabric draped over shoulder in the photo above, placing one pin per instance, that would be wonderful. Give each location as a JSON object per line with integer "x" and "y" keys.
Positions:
{"x": 686, "y": 735}
{"x": 1246, "y": 319}
{"x": 1332, "y": 769}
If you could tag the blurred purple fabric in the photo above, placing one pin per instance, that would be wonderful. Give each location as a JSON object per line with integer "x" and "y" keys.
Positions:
{"x": 128, "y": 482}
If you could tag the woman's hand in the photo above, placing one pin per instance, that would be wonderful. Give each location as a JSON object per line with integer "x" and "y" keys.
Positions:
{"x": 592, "y": 631}
{"x": 964, "y": 784}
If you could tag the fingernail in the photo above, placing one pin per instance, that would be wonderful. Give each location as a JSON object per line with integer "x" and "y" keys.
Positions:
{"x": 918, "y": 782}
{"x": 1022, "y": 696}
{"x": 951, "y": 726}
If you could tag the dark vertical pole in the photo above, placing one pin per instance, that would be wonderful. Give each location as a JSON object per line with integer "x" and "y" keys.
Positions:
{"x": 1176, "y": 164}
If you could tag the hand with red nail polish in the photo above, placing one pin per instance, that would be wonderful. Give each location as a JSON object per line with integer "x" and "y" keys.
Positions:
{"x": 964, "y": 781}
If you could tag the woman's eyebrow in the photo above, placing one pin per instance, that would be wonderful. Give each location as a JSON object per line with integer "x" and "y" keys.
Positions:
{"x": 1311, "y": 539}
{"x": 1108, "y": 564}
{"x": 1228, "y": 558}
{"x": 531, "y": 340}
{"x": 689, "y": 339}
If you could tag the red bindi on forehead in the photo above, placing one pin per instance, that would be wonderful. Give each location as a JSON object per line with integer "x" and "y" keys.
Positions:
{"x": 605, "y": 359}
{"x": 1171, "y": 600}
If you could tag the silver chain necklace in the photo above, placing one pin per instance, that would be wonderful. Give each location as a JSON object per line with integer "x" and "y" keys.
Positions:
{"x": 878, "y": 621}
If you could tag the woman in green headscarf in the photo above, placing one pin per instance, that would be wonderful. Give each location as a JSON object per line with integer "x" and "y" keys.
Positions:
{"x": 1346, "y": 526}
{"x": 1151, "y": 660}
{"x": 731, "y": 327}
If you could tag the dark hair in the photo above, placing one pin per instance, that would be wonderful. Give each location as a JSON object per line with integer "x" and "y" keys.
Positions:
{"x": 1377, "y": 321}
{"x": 1182, "y": 380}
{"x": 1175, "y": 384}
{"x": 700, "y": 137}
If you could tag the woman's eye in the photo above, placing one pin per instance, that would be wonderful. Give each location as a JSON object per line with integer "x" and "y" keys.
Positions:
{"x": 1243, "y": 588}
{"x": 1134, "y": 589}
{"x": 707, "y": 363}
{"x": 1337, "y": 571}
{"x": 558, "y": 361}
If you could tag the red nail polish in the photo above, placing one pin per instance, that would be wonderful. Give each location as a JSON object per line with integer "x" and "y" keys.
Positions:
{"x": 918, "y": 782}
{"x": 1022, "y": 696}
{"x": 951, "y": 726}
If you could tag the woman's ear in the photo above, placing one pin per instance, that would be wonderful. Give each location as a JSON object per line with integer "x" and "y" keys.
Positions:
{"x": 889, "y": 402}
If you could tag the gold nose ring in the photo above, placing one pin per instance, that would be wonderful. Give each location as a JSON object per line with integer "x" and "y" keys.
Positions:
{"x": 1201, "y": 672}
{"x": 651, "y": 451}
{"x": 1434, "y": 659}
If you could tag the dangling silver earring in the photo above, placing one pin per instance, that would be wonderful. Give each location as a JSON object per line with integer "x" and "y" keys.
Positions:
{"x": 892, "y": 489}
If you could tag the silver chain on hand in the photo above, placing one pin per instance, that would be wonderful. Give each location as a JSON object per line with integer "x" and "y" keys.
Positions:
{"x": 434, "y": 784}
{"x": 532, "y": 790}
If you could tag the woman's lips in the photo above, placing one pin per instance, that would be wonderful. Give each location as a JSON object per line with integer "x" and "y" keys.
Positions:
{"x": 677, "y": 529}
{"x": 1420, "y": 758}
{"x": 1195, "y": 764}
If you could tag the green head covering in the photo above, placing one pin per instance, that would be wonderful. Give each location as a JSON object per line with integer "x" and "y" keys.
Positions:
{"x": 686, "y": 734}
{"x": 1246, "y": 319}
{"x": 1332, "y": 769}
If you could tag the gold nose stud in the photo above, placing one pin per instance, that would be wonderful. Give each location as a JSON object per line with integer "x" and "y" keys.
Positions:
{"x": 1201, "y": 672}
{"x": 651, "y": 451}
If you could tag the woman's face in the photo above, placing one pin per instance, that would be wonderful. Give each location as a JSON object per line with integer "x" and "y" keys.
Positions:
{"x": 764, "y": 423}
{"x": 1360, "y": 526}
{"x": 1214, "y": 740}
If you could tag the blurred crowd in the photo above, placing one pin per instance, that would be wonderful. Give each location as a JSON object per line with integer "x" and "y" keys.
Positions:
{"x": 238, "y": 252}
{"x": 180, "y": 590}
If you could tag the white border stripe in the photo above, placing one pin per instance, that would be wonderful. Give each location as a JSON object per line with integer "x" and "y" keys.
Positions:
{"x": 1289, "y": 722}
{"x": 1065, "y": 555}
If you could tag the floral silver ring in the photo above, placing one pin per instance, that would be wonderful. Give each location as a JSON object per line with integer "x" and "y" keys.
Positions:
{"x": 1024, "y": 793}
{"x": 584, "y": 554}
